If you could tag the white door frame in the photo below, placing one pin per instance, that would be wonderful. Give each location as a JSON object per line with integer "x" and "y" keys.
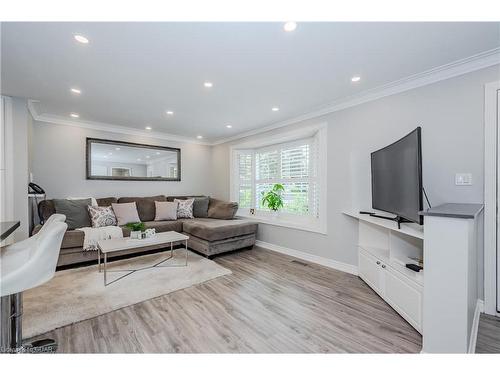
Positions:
{"x": 491, "y": 152}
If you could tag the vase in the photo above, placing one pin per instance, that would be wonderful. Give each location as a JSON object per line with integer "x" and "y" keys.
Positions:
{"x": 135, "y": 234}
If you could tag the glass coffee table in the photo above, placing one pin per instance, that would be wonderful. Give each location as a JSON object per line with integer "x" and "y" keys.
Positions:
{"x": 160, "y": 240}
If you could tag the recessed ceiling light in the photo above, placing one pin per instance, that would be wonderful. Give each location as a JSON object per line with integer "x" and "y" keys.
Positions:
{"x": 81, "y": 39}
{"x": 117, "y": 149}
{"x": 199, "y": 136}
{"x": 110, "y": 153}
{"x": 208, "y": 84}
{"x": 356, "y": 79}
{"x": 74, "y": 115}
{"x": 229, "y": 126}
{"x": 290, "y": 26}
{"x": 275, "y": 109}
{"x": 138, "y": 159}
{"x": 105, "y": 156}
{"x": 147, "y": 156}
{"x": 148, "y": 128}
{"x": 76, "y": 91}
{"x": 170, "y": 113}
{"x": 157, "y": 153}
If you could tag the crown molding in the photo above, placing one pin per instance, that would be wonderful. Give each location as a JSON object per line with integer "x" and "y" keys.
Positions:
{"x": 441, "y": 73}
{"x": 111, "y": 128}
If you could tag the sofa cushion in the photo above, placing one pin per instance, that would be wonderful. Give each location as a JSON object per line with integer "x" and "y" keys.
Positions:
{"x": 160, "y": 226}
{"x": 145, "y": 205}
{"x": 102, "y": 216}
{"x": 218, "y": 209}
{"x": 215, "y": 229}
{"x": 72, "y": 238}
{"x": 46, "y": 207}
{"x": 200, "y": 206}
{"x": 185, "y": 208}
{"x": 75, "y": 211}
{"x": 106, "y": 202}
{"x": 126, "y": 213}
{"x": 166, "y": 211}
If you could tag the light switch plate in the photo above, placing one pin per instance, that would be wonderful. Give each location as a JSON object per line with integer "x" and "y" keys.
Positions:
{"x": 462, "y": 179}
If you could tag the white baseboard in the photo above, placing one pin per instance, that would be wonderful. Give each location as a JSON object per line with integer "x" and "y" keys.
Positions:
{"x": 475, "y": 325}
{"x": 344, "y": 267}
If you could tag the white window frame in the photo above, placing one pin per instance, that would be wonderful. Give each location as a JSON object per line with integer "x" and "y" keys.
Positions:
{"x": 318, "y": 133}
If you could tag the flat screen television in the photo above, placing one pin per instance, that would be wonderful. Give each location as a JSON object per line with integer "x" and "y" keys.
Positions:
{"x": 397, "y": 178}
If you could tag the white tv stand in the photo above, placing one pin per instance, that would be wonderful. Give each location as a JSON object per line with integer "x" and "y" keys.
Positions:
{"x": 447, "y": 314}
{"x": 383, "y": 252}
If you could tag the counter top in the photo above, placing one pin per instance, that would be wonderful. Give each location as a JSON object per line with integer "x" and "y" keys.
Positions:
{"x": 456, "y": 210}
{"x": 7, "y": 227}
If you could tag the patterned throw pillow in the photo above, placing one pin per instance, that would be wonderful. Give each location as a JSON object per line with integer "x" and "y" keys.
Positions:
{"x": 102, "y": 216}
{"x": 185, "y": 208}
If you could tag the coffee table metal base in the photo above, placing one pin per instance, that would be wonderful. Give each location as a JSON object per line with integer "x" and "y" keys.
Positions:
{"x": 129, "y": 272}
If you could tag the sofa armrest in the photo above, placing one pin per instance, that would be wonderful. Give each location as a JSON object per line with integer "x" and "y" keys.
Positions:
{"x": 36, "y": 229}
{"x": 218, "y": 209}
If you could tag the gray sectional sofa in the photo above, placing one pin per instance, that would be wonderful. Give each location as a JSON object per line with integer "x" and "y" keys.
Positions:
{"x": 217, "y": 233}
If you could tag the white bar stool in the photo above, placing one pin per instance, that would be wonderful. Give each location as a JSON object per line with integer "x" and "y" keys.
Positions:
{"x": 25, "y": 265}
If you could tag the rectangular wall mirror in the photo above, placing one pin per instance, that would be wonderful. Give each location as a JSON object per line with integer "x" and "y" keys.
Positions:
{"x": 116, "y": 160}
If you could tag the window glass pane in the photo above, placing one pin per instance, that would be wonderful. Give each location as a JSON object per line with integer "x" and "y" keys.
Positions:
{"x": 296, "y": 198}
{"x": 295, "y": 162}
{"x": 245, "y": 166}
{"x": 245, "y": 196}
{"x": 266, "y": 165}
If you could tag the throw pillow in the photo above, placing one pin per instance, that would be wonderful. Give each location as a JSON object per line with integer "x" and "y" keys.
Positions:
{"x": 126, "y": 213}
{"x": 200, "y": 206}
{"x": 75, "y": 211}
{"x": 102, "y": 216}
{"x": 218, "y": 209}
{"x": 185, "y": 208}
{"x": 166, "y": 210}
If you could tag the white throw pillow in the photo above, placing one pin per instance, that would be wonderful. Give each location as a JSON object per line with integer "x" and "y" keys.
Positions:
{"x": 166, "y": 210}
{"x": 126, "y": 213}
{"x": 185, "y": 208}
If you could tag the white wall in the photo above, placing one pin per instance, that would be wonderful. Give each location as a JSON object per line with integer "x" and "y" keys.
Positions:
{"x": 15, "y": 175}
{"x": 450, "y": 113}
{"x": 59, "y": 165}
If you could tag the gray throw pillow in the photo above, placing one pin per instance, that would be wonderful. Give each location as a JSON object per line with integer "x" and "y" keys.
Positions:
{"x": 200, "y": 207}
{"x": 75, "y": 210}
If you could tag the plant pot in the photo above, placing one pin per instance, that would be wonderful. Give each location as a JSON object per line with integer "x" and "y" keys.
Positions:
{"x": 135, "y": 234}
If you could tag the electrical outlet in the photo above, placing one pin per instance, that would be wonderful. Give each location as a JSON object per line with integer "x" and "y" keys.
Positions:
{"x": 462, "y": 179}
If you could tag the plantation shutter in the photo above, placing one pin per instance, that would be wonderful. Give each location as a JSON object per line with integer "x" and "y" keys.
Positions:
{"x": 294, "y": 165}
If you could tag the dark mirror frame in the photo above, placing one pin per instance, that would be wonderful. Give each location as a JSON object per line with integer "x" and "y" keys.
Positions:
{"x": 88, "y": 154}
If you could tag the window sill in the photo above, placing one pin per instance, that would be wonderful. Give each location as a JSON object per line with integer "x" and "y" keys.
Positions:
{"x": 276, "y": 221}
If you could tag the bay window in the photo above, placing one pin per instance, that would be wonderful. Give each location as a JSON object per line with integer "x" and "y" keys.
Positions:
{"x": 294, "y": 164}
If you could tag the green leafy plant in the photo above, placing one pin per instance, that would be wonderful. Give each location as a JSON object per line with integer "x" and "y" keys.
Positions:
{"x": 136, "y": 226}
{"x": 273, "y": 198}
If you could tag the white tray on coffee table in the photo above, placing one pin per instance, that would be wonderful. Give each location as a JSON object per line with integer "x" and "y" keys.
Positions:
{"x": 126, "y": 243}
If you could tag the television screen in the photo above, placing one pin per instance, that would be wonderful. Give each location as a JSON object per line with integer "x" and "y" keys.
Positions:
{"x": 397, "y": 177}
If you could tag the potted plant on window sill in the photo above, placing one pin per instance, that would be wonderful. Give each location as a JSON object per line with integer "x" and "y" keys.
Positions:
{"x": 273, "y": 199}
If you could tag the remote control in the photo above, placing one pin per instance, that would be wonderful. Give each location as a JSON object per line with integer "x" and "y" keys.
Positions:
{"x": 414, "y": 267}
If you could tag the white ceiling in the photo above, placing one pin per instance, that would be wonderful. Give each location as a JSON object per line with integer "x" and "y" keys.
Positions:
{"x": 131, "y": 73}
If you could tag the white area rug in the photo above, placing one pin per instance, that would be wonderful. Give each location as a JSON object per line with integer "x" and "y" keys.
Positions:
{"x": 79, "y": 294}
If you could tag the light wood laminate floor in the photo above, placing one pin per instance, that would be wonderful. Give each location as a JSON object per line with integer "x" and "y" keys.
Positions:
{"x": 488, "y": 335}
{"x": 268, "y": 305}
